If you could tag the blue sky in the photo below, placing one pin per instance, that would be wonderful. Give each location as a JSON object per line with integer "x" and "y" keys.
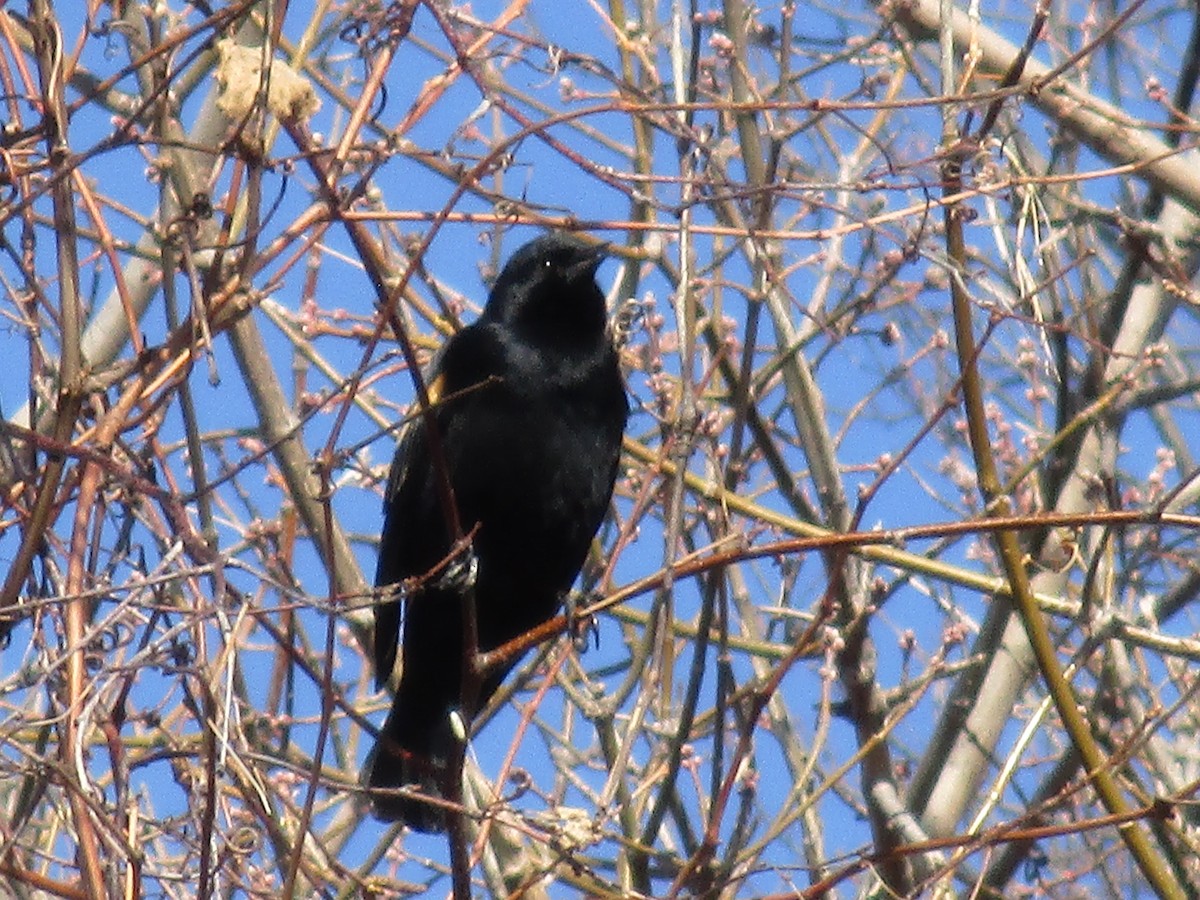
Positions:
{"x": 874, "y": 335}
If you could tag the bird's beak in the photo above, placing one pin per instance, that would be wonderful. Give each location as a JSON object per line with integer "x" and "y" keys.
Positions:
{"x": 589, "y": 261}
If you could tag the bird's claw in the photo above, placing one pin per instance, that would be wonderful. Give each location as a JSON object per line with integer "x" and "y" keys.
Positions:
{"x": 461, "y": 572}
{"x": 580, "y": 627}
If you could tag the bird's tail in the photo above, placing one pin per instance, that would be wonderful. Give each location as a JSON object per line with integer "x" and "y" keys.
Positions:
{"x": 412, "y": 752}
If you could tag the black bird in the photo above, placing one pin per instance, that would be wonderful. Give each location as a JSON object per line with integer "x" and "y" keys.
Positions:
{"x": 530, "y": 412}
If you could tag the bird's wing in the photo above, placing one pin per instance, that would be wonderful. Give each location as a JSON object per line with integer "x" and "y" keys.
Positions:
{"x": 406, "y": 525}
{"x": 415, "y": 537}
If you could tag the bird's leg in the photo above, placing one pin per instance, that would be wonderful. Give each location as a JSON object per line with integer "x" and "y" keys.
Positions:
{"x": 580, "y": 627}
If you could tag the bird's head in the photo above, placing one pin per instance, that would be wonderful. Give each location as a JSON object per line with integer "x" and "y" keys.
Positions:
{"x": 548, "y": 287}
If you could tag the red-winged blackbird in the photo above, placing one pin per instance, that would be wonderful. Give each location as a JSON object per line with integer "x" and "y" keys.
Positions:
{"x": 530, "y": 418}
